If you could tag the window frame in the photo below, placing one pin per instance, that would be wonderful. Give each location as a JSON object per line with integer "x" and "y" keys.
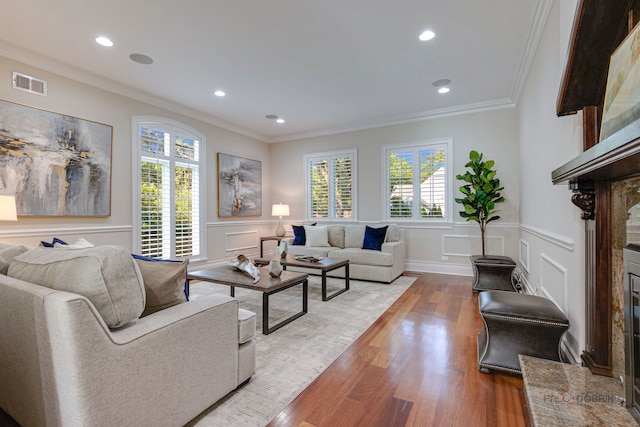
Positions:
{"x": 174, "y": 128}
{"x": 330, "y": 155}
{"x": 447, "y": 144}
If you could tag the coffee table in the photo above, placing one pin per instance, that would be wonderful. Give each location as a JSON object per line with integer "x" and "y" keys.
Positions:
{"x": 325, "y": 265}
{"x": 267, "y": 285}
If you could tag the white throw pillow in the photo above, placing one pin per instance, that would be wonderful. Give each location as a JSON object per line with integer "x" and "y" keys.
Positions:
{"x": 316, "y": 235}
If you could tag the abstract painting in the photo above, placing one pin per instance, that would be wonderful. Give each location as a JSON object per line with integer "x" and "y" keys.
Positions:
{"x": 55, "y": 165}
{"x": 621, "y": 109}
{"x": 239, "y": 186}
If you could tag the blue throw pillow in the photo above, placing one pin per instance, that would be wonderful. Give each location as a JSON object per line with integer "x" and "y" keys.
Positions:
{"x": 374, "y": 237}
{"x": 53, "y": 243}
{"x": 146, "y": 258}
{"x": 300, "y": 236}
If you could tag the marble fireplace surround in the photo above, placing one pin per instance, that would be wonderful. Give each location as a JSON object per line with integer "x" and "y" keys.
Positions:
{"x": 625, "y": 229}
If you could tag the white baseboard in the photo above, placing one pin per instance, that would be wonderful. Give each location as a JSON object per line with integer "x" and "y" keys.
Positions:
{"x": 439, "y": 267}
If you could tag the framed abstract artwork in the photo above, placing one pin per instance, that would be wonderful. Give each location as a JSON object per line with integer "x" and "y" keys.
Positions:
{"x": 239, "y": 186}
{"x": 55, "y": 165}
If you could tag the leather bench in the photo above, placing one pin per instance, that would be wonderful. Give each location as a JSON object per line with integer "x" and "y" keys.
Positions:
{"x": 516, "y": 324}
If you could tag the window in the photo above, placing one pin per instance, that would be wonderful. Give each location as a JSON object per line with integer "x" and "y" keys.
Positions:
{"x": 168, "y": 201}
{"x": 417, "y": 181}
{"x": 330, "y": 185}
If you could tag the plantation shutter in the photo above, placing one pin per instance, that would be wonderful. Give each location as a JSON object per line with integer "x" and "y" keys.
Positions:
{"x": 170, "y": 194}
{"x": 330, "y": 185}
{"x": 342, "y": 179}
{"x": 155, "y": 209}
{"x": 417, "y": 181}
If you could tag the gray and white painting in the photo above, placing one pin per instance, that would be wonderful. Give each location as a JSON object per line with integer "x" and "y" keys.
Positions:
{"x": 239, "y": 186}
{"x": 55, "y": 165}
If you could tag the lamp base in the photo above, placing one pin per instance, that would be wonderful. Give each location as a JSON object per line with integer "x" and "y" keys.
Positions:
{"x": 280, "y": 231}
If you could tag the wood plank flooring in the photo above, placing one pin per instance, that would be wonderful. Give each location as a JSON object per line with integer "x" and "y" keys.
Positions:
{"x": 415, "y": 366}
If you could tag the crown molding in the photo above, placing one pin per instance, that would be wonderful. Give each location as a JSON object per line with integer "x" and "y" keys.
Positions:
{"x": 536, "y": 29}
{"x": 402, "y": 119}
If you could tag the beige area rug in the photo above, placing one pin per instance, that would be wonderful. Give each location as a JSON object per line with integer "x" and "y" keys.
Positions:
{"x": 289, "y": 359}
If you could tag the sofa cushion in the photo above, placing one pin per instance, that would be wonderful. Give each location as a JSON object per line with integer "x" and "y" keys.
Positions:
{"x": 7, "y": 253}
{"x": 246, "y": 325}
{"x": 374, "y": 237}
{"x": 316, "y": 235}
{"x": 106, "y": 275}
{"x": 363, "y": 256}
{"x": 336, "y": 235}
{"x": 353, "y": 236}
{"x": 300, "y": 237}
{"x": 165, "y": 282}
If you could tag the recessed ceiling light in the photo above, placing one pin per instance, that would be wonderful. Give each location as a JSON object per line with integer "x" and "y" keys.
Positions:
{"x": 271, "y": 116}
{"x": 443, "y": 90}
{"x": 219, "y": 93}
{"x": 427, "y": 35}
{"x": 280, "y": 120}
{"x": 141, "y": 59}
{"x": 104, "y": 41}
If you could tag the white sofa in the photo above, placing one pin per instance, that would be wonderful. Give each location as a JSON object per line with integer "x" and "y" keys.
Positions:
{"x": 62, "y": 365}
{"x": 346, "y": 241}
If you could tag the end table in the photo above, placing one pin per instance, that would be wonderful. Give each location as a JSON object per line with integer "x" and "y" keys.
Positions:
{"x": 267, "y": 238}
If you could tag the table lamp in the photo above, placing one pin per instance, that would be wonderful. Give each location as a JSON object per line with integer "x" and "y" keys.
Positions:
{"x": 8, "y": 210}
{"x": 280, "y": 210}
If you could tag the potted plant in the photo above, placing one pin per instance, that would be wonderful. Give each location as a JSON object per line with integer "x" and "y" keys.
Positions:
{"x": 481, "y": 191}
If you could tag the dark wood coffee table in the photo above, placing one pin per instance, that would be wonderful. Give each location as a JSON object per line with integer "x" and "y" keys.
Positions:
{"x": 267, "y": 285}
{"x": 325, "y": 265}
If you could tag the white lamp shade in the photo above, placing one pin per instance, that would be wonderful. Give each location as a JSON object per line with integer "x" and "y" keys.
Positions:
{"x": 280, "y": 210}
{"x": 8, "y": 210}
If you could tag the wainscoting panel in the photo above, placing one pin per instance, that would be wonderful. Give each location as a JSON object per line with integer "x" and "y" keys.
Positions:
{"x": 467, "y": 245}
{"x": 241, "y": 240}
{"x": 524, "y": 255}
{"x": 554, "y": 281}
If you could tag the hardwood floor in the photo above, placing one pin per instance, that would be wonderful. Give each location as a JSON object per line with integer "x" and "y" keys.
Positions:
{"x": 415, "y": 366}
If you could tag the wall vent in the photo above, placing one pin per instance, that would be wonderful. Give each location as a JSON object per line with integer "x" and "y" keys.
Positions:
{"x": 29, "y": 84}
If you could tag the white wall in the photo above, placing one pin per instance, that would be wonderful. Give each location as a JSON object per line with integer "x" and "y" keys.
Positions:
{"x": 493, "y": 132}
{"x": 225, "y": 237}
{"x": 552, "y": 241}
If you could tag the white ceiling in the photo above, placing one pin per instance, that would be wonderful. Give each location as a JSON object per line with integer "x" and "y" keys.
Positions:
{"x": 325, "y": 66}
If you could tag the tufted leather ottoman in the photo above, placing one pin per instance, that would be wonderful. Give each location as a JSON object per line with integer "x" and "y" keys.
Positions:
{"x": 492, "y": 272}
{"x": 515, "y": 324}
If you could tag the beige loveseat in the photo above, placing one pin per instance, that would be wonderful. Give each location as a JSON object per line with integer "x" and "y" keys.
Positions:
{"x": 61, "y": 363}
{"x": 346, "y": 242}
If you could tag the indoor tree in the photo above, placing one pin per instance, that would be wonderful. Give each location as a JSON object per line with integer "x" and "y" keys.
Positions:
{"x": 481, "y": 191}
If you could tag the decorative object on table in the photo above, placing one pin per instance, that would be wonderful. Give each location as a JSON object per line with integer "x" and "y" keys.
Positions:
{"x": 243, "y": 264}
{"x": 239, "y": 186}
{"x": 621, "y": 109}
{"x": 282, "y": 249}
{"x": 280, "y": 210}
{"x": 56, "y": 165}
{"x": 309, "y": 258}
{"x": 8, "y": 210}
{"x": 482, "y": 192}
{"x": 274, "y": 268}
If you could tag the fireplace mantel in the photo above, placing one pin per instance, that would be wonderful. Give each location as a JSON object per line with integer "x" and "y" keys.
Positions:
{"x": 615, "y": 158}
{"x": 599, "y": 27}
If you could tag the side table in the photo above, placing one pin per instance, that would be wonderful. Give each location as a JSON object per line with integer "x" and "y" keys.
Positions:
{"x": 267, "y": 238}
{"x": 492, "y": 272}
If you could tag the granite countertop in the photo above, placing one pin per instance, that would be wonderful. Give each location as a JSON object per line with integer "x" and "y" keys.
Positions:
{"x": 564, "y": 395}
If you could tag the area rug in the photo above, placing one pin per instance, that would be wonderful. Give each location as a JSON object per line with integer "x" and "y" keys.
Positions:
{"x": 289, "y": 359}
